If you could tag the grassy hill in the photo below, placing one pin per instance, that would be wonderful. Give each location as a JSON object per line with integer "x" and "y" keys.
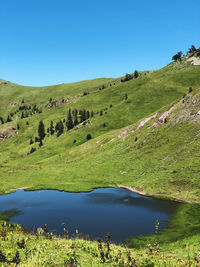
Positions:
{"x": 145, "y": 135}
{"x": 162, "y": 157}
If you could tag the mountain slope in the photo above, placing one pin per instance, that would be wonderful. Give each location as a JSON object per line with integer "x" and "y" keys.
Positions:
{"x": 162, "y": 160}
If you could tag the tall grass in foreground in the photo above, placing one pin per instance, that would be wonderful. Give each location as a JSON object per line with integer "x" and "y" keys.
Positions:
{"x": 19, "y": 248}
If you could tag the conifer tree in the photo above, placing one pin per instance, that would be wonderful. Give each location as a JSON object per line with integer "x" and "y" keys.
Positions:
{"x": 60, "y": 128}
{"x": 41, "y": 130}
{"x": 84, "y": 115}
{"x": 51, "y": 128}
{"x": 40, "y": 144}
{"x": 57, "y": 126}
{"x": 69, "y": 122}
{"x": 2, "y": 120}
{"x": 8, "y": 119}
{"x": 75, "y": 117}
{"x": 136, "y": 74}
{"x": 31, "y": 141}
{"x": 87, "y": 114}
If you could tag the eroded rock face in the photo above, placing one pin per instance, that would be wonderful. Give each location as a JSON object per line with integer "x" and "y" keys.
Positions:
{"x": 59, "y": 102}
{"x": 7, "y": 133}
{"x": 194, "y": 60}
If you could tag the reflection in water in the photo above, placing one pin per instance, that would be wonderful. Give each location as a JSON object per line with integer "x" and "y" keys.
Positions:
{"x": 118, "y": 211}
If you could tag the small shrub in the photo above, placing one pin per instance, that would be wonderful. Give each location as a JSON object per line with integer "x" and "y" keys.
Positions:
{"x": 88, "y": 137}
{"x": 33, "y": 149}
{"x": 190, "y": 89}
{"x": 31, "y": 141}
{"x": 136, "y": 74}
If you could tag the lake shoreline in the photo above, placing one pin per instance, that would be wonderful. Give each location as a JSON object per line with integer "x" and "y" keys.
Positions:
{"x": 126, "y": 187}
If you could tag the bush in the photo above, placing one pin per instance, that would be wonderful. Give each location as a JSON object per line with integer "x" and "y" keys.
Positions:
{"x": 31, "y": 141}
{"x": 136, "y": 74}
{"x": 190, "y": 89}
{"x": 88, "y": 137}
{"x": 33, "y": 149}
{"x": 127, "y": 77}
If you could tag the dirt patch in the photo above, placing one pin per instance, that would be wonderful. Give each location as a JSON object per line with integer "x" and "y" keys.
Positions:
{"x": 131, "y": 189}
{"x": 125, "y": 133}
{"x": 142, "y": 122}
{"x": 162, "y": 118}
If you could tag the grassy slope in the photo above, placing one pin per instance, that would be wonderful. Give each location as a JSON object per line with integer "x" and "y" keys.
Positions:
{"x": 40, "y": 250}
{"x": 149, "y": 163}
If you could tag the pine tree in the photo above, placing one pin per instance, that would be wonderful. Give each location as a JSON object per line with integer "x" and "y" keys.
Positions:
{"x": 40, "y": 144}
{"x": 92, "y": 113}
{"x": 2, "y": 120}
{"x": 57, "y": 127}
{"x": 89, "y": 137}
{"x": 60, "y": 128}
{"x": 84, "y": 115}
{"x": 41, "y": 130}
{"x": 126, "y": 96}
{"x": 75, "y": 117}
{"x": 8, "y": 119}
{"x": 51, "y": 128}
{"x": 31, "y": 141}
{"x": 136, "y": 74}
{"x": 22, "y": 116}
{"x": 69, "y": 122}
{"x": 87, "y": 114}
{"x": 33, "y": 149}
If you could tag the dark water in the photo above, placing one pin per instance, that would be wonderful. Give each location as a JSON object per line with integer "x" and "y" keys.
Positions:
{"x": 118, "y": 211}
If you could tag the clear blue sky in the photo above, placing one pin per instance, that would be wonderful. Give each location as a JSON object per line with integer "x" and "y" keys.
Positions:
{"x": 45, "y": 42}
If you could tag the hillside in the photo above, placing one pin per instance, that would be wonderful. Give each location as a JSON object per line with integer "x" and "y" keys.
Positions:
{"x": 123, "y": 149}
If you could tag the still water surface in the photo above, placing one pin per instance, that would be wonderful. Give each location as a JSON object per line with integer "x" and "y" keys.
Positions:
{"x": 117, "y": 211}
